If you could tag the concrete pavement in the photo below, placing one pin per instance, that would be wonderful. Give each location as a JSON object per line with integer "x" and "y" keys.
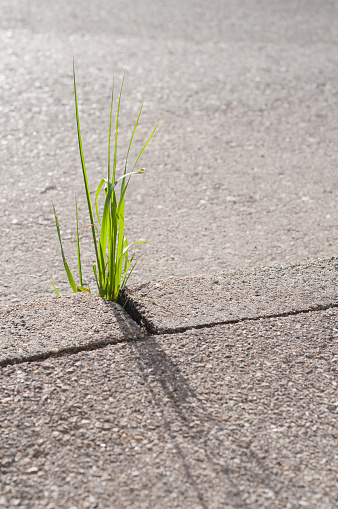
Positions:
{"x": 225, "y": 395}
{"x": 177, "y": 304}
{"x": 243, "y": 169}
{"x": 97, "y": 413}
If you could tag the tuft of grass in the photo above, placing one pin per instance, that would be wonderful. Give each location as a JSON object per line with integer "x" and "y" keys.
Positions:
{"x": 113, "y": 265}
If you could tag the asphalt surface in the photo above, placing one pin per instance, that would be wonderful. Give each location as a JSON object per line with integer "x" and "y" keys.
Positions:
{"x": 243, "y": 169}
{"x": 95, "y": 412}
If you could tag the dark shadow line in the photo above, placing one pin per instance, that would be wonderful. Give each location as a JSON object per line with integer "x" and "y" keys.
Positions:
{"x": 177, "y": 389}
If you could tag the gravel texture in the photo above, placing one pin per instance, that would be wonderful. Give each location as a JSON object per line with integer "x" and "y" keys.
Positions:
{"x": 177, "y": 304}
{"x": 47, "y": 327}
{"x": 242, "y": 171}
{"x": 234, "y": 416}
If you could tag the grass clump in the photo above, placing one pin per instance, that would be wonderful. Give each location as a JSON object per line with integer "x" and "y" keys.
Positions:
{"x": 113, "y": 265}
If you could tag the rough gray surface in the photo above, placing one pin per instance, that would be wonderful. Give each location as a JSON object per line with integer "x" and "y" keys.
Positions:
{"x": 181, "y": 303}
{"x": 243, "y": 169}
{"x": 242, "y": 172}
{"x": 46, "y": 327}
{"x": 235, "y": 416}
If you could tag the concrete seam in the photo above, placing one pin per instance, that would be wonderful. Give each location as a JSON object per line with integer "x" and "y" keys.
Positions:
{"x": 64, "y": 351}
{"x": 96, "y": 346}
{"x": 154, "y": 331}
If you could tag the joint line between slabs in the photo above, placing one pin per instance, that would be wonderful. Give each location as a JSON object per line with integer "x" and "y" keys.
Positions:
{"x": 153, "y": 331}
{"x": 72, "y": 350}
{"x": 149, "y": 332}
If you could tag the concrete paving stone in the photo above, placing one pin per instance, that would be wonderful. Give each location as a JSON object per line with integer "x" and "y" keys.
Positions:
{"x": 177, "y": 304}
{"x": 45, "y": 327}
{"x": 232, "y": 416}
{"x": 242, "y": 170}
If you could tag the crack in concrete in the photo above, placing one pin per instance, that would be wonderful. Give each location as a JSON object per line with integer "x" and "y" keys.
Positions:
{"x": 147, "y": 333}
{"x": 65, "y": 351}
{"x": 152, "y": 330}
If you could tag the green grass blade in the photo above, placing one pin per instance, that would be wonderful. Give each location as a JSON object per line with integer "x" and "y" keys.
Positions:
{"x": 57, "y": 291}
{"x": 129, "y": 147}
{"x": 123, "y": 177}
{"x": 96, "y": 199}
{"x": 106, "y": 216}
{"x": 111, "y": 115}
{"x": 95, "y": 274}
{"x": 84, "y": 172}
{"x": 83, "y": 289}
{"x": 132, "y": 137}
{"x": 133, "y": 243}
{"x": 126, "y": 255}
{"x": 130, "y": 143}
{"x": 113, "y": 224}
{"x": 69, "y": 274}
{"x": 152, "y": 134}
{"x": 117, "y": 126}
{"x": 120, "y": 245}
{"x": 115, "y": 283}
{"x": 112, "y": 245}
{"x": 108, "y": 220}
{"x": 78, "y": 245}
{"x": 102, "y": 276}
{"x": 127, "y": 276}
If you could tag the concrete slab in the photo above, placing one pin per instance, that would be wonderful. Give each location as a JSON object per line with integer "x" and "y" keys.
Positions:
{"x": 47, "y": 327}
{"x": 233, "y": 416}
{"x": 242, "y": 170}
{"x": 178, "y": 304}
